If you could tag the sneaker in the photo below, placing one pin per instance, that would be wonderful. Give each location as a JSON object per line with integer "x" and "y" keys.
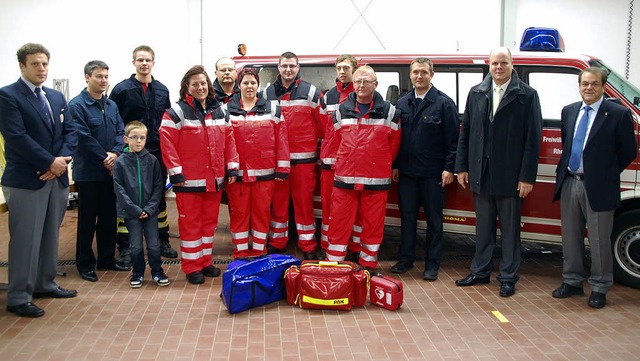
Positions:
{"x": 136, "y": 281}
{"x": 161, "y": 279}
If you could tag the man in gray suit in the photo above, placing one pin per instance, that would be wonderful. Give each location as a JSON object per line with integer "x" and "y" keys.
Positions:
{"x": 39, "y": 143}
{"x": 497, "y": 158}
{"x": 598, "y": 143}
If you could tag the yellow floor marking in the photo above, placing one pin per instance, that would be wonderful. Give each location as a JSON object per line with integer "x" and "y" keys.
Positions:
{"x": 500, "y": 316}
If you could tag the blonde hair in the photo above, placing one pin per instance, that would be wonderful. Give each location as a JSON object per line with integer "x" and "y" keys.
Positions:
{"x": 134, "y": 125}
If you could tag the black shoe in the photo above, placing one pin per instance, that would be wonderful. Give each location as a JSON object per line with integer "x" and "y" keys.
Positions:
{"x": 430, "y": 275}
{"x": 507, "y": 289}
{"x": 273, "y": 250}
{"x": 353, "y": 257}
{"x": 471, "y": 280}
{"x": 90, "y": 276}
{"x": 26, "y": 310}
{"x": 59, "y": 293}
{"x": 566, "y": 290}
{"x": 211, "y": 271}
{"x": 401, "y": 267}
{"x": 166, "y": 250}
{"x": 113, "y": 267}
{"x": 125, "y": 258}
{"x": 597, "y": 300}
{"x": 322, "y": 254}
{"x": 195, "y": 278}
{"x": 311, "y": 255}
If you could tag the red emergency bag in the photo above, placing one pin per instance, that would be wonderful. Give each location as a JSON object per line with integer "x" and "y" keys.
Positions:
{"x": 326, "y": 285}
{"x": 386, "y": 292}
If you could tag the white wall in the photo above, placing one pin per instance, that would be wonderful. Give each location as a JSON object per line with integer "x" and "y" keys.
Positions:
{"x": 76, "y": 31}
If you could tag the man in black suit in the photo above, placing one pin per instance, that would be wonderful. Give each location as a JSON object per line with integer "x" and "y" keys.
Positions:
{"x": 39, "y": 143}
{"x": 497, "y": 158}
{"x": 598, "y": 143}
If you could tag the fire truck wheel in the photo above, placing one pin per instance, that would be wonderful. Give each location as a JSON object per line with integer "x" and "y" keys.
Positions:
{"x": 625, "y": 244}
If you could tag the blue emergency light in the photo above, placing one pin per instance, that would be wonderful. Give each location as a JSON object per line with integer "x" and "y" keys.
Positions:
{"x": 542, "y": 39}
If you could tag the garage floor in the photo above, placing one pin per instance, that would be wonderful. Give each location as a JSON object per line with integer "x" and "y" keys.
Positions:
{"x": 438, "y": 321}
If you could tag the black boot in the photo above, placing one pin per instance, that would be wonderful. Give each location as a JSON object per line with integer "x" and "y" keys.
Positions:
{"x": 125, "y": 258}
{"x": 165, "y": 246}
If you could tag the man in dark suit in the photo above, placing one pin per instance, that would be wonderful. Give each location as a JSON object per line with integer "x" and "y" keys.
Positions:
{"x": 598, "y": 143}
{"x": 497, "y": 158}
{"x": 39, "y": 143}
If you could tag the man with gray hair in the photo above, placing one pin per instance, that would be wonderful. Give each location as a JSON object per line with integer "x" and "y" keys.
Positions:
{"x": 100, "y": 141}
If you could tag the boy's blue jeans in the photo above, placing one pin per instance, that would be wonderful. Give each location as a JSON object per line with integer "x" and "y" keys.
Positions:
{"x": 149, "y": 227}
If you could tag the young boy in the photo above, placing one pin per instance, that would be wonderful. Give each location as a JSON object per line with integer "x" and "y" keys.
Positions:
{"x": 138, "y": 185}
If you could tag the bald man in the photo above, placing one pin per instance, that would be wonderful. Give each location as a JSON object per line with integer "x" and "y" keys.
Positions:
{"x": 497, "y": 158}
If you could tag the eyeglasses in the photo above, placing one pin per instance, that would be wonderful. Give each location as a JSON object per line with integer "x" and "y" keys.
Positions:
{"x": 137, "y": 137}
{"x": 226, "y": 70}
{"x": 585, "y": 84}
{"x": 363, "y": 82}
{"x": 288, "y": 66}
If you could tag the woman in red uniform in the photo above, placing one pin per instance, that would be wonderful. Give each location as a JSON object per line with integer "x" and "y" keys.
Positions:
{"x": 261, "y": 141}
{"x": 199, "y": 151}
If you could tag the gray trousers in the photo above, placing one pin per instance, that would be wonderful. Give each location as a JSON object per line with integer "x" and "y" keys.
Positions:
{"x": 507, "y": 210}
{"x": 34, "y": 224}
{"x": 576, "y": 213}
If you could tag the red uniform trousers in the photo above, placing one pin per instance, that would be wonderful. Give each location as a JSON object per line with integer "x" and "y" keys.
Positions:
{"x": 197, "y": 222}
{"x": 249, "y": 208}
{"x": 300, "y": 185}
{"x": 326, "y": 189}
{"x": 344, "y": 206}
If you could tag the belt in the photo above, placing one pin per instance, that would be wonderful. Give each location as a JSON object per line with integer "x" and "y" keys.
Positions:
{"x": 578, "y": 177}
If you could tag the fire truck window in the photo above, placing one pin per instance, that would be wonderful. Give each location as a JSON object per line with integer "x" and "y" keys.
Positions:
{"x": 555, "y": 91}
{"x": 456, "y": 84}
{"x": 466, "y": 81}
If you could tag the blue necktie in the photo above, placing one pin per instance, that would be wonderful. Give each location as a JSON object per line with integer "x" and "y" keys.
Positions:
{"x": 44, "y": 105}
{"x": 578, "y": 141}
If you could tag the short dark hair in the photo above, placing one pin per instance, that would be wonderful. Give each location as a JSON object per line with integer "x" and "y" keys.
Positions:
{"x": 287, "y": 55}
{"x": 184, "y": 83}
{"x": 146, "y": 48}
{"x": 93, "y": 65}
{"x": 348, "y": 57}
{"x": 248, "y": 71}
{"x": 31, "y": 48}
{"x": 422, "y": 60}
{"x": 604, "y": 74}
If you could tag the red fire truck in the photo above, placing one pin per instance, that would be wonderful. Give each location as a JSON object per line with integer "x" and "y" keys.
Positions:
{"x": 555, "y": 76}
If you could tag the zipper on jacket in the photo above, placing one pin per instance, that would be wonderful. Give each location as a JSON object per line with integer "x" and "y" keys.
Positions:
{"x": 139, "y": 183}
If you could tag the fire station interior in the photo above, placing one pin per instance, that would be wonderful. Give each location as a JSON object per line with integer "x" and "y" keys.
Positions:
{"x": 109, "y": 320}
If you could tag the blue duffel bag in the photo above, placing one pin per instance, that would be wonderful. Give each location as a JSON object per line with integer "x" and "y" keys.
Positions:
{"x": 249, "y": 283}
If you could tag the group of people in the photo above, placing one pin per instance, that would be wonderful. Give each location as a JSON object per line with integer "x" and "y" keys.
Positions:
{"x": 261, "y": 149}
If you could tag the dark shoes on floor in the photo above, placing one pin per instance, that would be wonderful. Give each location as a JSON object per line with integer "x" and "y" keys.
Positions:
{"x": 90, "y": 276}
{"x": 166, "y": 250}
{"x": 26, "y": 310}
{"x": 59, "y": 293}
{"x": 401, "y": 267}
{"x": 430, "y": 275}
{"x": 273, "y": 250}
{"x": 507, "y": 289}
{"x": 211, "y": 271}
{"x": 597, "y": 300}
{"x": 566, "y": 290}
{"x": 311, "y": 255}
{"x": 113, "y": 267}
{"x": 471, "y": 280}
{"x": 195, "y": 278}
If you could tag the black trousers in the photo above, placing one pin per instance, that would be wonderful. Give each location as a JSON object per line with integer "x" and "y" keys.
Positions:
{"x": 414, "y": 192}
{"x": 96, "y": 214}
